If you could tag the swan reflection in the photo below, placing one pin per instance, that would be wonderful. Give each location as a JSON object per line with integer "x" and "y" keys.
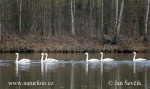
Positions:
{"x": 101, "y": 74}
{"x": 22, "y": 67}
{"x": 90, "y": 69}
{"x": 42, "y": 69}
{"x": 86, "y": 67}
{"x": 90, "y": 65}
{"x": 141, "y": 67}
{"x": 45, "y": 67}
{"x": 138, "y": 66}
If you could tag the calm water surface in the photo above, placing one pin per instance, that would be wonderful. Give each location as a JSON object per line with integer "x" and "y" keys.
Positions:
{"x": 73, "y": 72}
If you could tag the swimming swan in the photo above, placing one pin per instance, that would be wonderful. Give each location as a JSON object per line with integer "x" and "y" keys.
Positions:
{"x": 24, "y": 60}
{"x": 138, "y": 59}
{"x": 105, "y": 59}
{"x": 91, "y": 60}
{"x": 42, "y": 57}
{"x": 49, "y": 59}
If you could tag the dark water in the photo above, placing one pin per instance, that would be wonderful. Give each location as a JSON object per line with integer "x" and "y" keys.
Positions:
{"x": 73, "y": 72}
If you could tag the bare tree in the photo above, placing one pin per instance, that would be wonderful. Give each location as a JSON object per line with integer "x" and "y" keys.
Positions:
{"x": 97, "y": 18}
{"x": 120, "y": 18}
{"x": 53, "y": 16}
{"x": 119, "y": 23}
{"x": 0, "y": 30}
{"x": 102, "y": 18}
{"x": 146, "y": 20}
{"x": 20, "y": 16}
{"x": 72, "y": 18}
{"x": 44, "y": 21}
{"x": 116, "y": 13}
{"x": 90, "y": 18}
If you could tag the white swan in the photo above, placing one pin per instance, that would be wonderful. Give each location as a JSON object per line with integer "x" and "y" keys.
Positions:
{"x": 24, "y": 60}
{"x": 49, "y": 59}
{"x": 138, "y": 59}
{"x": 91, "y": 60}
{"x": 105, "y": 59}
{"x": 42, "y": 57}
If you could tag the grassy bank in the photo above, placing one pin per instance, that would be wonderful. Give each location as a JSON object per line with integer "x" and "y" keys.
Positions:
{"x": 13, "y": 42}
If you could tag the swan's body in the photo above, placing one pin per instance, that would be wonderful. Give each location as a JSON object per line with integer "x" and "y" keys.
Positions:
{"x": 105, "y": 59}
{"x": 24, "y": 60}
{"x": 138, "y": 59}
{"x": 49, "y": 59}
{"x": 91, "y": 60}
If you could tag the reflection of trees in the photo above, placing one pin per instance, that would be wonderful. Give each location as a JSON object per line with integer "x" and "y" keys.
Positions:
{"x": 83, "y": 76}
{"x": 92, "y": 78}
{"x": 118, "y": 78}
{"x": 21, "y": 68}
{"x": 146, "y": 84}
{"x": 72, "y": 76}
{"x": 139, "y": 66}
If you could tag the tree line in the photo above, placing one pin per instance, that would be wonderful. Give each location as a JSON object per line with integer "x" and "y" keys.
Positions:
{"x": 88, "y": 18}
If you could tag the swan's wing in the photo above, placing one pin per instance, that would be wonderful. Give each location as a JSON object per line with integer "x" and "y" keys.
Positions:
{"x": 93, "y": 60}
{"x": 24, "y": 60}
{"x": 50, "y": 60}
{"x": 140, "y": 59}
{"x": 107, "y": 59}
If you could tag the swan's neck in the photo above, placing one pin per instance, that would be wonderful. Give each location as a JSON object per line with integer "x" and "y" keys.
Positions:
{"x": 87, "y": 57}
{"x": 134, "y": 57}
{"x": 42, "y": 57}
{"x": 46, "y": 57}
{"x": 101, "y": 56}
{"x": 17, "y": 57}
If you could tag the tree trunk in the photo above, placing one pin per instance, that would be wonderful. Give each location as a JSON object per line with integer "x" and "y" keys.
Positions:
{"x": 44, "y": 21}
{"x": 116, "y": 13}
{"x": 97, "y": 19}
{"x": 102, "y": 18}
{"x": 53, "y": 17}
{"x": 0, "y": 30}
{"x": 146, "y": 21}
{"x": 116, "y": 35}
{"x": 90, "y": 18}
{"x": 72, "y": 18}
{"x": 120, "y": 18}
{"x": 20, "y": 16}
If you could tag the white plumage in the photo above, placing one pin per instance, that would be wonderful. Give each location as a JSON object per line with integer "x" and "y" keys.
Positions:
{"x": 24, "y": 60}
{"x": 138, "y": 59}
{"x": 91, "y": 60}
{"x": 105, "y": 59}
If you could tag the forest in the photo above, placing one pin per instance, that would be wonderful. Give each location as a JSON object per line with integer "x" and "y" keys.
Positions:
{"x": 74, "y": 25}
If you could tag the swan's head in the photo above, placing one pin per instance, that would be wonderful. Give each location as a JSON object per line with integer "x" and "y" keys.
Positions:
{"x": 101, "y": 53}
{"x": 46, "y": 54}
{"x": 86, "y": 53}
{"x": 16, "y": 53}
{"x": 42, "y": 53}
{"x": 134, "y": 52}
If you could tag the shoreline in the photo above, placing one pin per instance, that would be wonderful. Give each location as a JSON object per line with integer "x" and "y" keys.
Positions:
{"x": 31, "y": 43}
{"x": 72, "y": 51}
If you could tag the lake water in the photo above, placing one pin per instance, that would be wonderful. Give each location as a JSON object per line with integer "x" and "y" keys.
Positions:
{"x": 73, "y": 72}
